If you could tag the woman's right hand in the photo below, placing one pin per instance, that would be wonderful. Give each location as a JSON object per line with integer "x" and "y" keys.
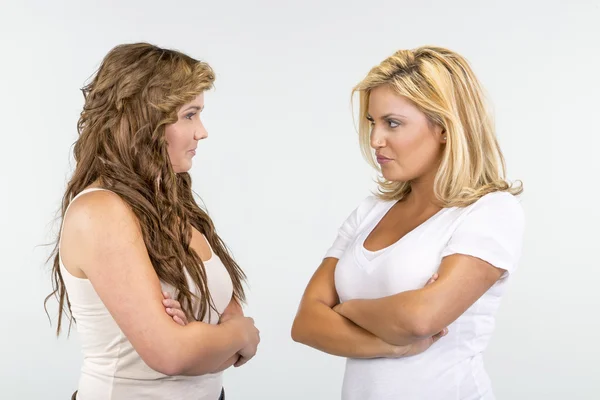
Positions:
{"x": 246, "y": 326}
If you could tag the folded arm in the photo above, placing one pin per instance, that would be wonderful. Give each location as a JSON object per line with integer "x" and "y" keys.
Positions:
{"x": 233, "y": 309}
{"x": 103, "y": 239}
{"x": 318, "y": 326}
{"x": 410, "y": 316}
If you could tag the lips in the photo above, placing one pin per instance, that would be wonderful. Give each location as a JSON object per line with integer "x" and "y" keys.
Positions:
{"x": 382, "y": 160}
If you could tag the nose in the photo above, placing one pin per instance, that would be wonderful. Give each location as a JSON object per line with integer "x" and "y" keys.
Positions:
{"x": 200, "y": 132}
{"x": 377, "y": 139}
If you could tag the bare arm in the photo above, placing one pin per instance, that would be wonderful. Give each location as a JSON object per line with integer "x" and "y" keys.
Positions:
{"x": 228, "y": 363}
{"x": 413, "y": 315}
{"x": 233, "y": 309}
{"x": 173, "y": 308}
{"x": 103, "y": 239}
{"x": 318, "y": 326}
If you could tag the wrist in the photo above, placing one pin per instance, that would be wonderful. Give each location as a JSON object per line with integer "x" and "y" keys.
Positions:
{"x": 238, "y": 336}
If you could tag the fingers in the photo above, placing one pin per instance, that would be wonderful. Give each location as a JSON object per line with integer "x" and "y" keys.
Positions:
{"x": 241, "y": 361}
{"x": 173, "y": 308}
{"x": 166, "y": 295}
{"x": 439, "y": 335}
{"x": 170, "y": 303}
{"x": 433, "y": 278}
{"x": 174, "y": 312}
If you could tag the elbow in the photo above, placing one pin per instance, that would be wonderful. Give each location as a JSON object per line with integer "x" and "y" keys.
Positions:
{"x": 420, "y": 329}
{"x": 171, "y": 358}
{"x": 165, "y": 366}
{"x": 421, "y": 326}
{"x": 164, "y": 361}
{"x": 171, "y": 355}
{"x": 171, "y": 365}
{"x": 170, "y": 369}
{"x": 298, "y": 332}
{"x": 418, "y": 325}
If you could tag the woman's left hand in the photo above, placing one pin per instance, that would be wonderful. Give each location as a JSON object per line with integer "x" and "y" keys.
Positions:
{"x": 173, "y": 308}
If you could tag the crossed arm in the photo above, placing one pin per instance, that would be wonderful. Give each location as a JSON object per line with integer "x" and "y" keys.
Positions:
{"x": 173, "y": 308}
{"x": 104, "y": 241}
{"x": 393, "y": 326}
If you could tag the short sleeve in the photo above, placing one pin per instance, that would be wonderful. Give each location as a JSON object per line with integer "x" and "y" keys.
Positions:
{"x": 492, "y": 231}
{"x": 349, "y": 229}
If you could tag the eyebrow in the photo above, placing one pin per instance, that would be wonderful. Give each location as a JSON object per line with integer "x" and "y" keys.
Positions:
{"x": 386, "y": 116}
{"x": 197, "y": 108}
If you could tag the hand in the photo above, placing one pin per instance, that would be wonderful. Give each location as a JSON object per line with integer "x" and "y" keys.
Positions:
{"x": 233, "y": 309}
{"x": 252, "y": 337}
{"x": 422, "y": 345}
{"x": 433, "y": 278}
{"x": 173, "y": 308}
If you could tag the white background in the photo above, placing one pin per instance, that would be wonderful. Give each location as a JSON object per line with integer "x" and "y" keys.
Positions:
{"x": 282, "y": 169}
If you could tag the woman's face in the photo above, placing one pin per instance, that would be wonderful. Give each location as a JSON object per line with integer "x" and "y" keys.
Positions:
{"x": 407, "y": 145}
{"x": 183, "y": 136}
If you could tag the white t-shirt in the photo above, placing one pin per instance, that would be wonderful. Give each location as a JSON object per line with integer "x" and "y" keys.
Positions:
{"x": 452, "y": 368}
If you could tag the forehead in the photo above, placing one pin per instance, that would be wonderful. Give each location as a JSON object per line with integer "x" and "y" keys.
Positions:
{"x": 383, "y": 99}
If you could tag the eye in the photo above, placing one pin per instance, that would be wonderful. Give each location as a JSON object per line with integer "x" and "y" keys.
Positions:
{"x": 393, "y": 124}
{"x": 371, "y": 121}
{"x": 190, "y": 115}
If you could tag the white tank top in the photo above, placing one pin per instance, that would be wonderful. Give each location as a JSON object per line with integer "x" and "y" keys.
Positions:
{"x": 112, "y": 369}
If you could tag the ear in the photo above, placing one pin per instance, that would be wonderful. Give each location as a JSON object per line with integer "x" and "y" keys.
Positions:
{"x": 441, "y": 134}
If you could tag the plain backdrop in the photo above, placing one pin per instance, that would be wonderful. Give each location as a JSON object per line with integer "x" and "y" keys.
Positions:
{"x": 281, "y": 168}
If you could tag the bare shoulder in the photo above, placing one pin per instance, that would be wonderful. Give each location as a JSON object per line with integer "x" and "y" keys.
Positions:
{"x": 100, "y": 212}
{"x": 96, "y": 223}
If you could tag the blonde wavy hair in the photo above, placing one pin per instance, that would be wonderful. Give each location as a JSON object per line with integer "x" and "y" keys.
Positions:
{"x": 443, "y": 86}
{"x": 134, "y": 95}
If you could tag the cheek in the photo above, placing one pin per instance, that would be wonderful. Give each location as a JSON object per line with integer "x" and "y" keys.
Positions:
{"x": 175, "y": 140}
{"x": 415, "y": 150}
{"x": 404, "y": 144}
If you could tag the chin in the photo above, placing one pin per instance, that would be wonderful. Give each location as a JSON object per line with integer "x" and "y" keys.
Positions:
{"x": 183, "y": 167}
{"x": 395, "y": 176}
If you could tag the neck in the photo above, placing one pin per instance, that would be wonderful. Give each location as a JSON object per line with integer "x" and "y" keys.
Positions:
{"x": 422, "y": 194}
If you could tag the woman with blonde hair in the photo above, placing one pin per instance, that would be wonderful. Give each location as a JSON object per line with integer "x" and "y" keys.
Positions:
{"x": 132, "y": 232}
{"x": 409, "y": 289}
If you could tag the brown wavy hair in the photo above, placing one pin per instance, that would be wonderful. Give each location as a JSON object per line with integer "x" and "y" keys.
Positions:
{"x": 133, "y": 96}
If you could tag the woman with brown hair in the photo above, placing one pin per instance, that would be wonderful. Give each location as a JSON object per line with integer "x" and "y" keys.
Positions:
{"x": 133, "y": 231}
